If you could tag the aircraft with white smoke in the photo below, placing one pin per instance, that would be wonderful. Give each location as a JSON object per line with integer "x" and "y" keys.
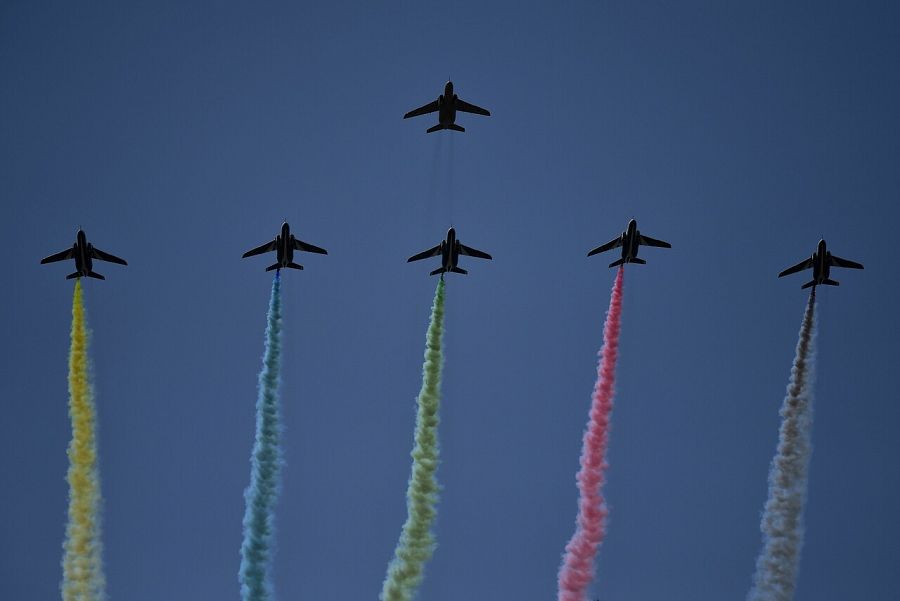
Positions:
{"x": 449, "y": 250}
{"x": 821, "y": 263}
{"x": 630, "y": 241}
{"x": 84, "y": 254}
{"x": 446, "y": 105}
{"x": 284, "y": 244}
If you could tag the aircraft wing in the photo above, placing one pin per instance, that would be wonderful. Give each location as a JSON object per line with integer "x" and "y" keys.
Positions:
{"x": 614, "y": 243}
{"x": 422, "y": 110}
{"x": 473, "y": 252}
{"x": 648, "y": 241}
{"x": 307, "y": 247}
{"x": 462, "y": 105}
{"x": 60, "y": 256}
{"x": 99, "y": 254}
{"x": 431, "y": 252}
{"x": 804, "y": 264}
{"x": 839, "y": 262}
{"x": 265, "y": 248}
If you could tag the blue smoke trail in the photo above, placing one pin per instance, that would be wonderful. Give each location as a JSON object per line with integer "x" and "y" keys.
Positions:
{"x": 782, "y": 520}
{"x": 259, "y": 517}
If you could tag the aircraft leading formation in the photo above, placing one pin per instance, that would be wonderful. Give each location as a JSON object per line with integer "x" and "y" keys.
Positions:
{"x": 449, "y": 249}
{"x": 446, "y": 105}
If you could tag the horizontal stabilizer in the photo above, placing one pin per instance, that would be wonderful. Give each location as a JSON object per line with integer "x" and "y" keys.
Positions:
{"x": 456, "y": 127}
{"x": 437, "y": 271}
{"x": 294, "y": 266}
{"x": 831, "y": 283}
{"x": 72, "y": 276}
{"x": 273, "y": 267}
{"x": 431, "y": 130}
{"x": 638, "y": 261}
{"x": 807, "y": 285}
{"x": 459, "y": 270}
{"x": 617, "y": 263}
{"x": 95, "y": 275}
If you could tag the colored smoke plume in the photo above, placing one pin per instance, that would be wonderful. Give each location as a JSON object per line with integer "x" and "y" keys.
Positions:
{"x": 416, "y": 543}
{"x": 83, "y": 578}
{"x": 782, "y": 520}
{"x": 257, "y": 548}
{"x": 577, "y": 570}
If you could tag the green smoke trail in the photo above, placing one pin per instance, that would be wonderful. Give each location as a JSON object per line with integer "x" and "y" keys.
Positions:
{"x": 416, "y": 542}
{"x": 261, "y": 495}
{"x": 83, "y": 578}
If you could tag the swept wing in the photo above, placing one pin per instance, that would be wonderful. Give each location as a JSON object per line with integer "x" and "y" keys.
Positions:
{"x": 431, "y": 252}
{"x": 422, "y": 110}
{"x": 614, "y": 243}
{"x": 805, "y": 264}
{"x": 264, "y": 248}
{"x": 473, "y": 252}
{"x": 462, "y": 105}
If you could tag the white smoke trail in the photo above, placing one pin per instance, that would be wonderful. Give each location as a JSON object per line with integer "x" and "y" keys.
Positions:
{"x": 782, "y": 521}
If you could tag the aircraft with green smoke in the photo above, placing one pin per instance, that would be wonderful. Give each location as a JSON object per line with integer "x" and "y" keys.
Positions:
{"x": 450, "y": 249}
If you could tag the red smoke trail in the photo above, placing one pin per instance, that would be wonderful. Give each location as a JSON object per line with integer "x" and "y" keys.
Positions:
{"x": 577, "y": 570}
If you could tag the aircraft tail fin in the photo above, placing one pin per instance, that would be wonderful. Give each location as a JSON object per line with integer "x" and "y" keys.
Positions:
{"x": 617, "y": 263}
{"x": 831, "y": 283}
{"x": 456, "y": 127}
{"x": 72, "y": 276}
{"x": 638, "y": 261}
{"x": 807, "y": 285}
{"x": 431, "y": 130}
{"x": 459, "y": 270}
{"x": 273, "y": 267}
{"x": 95, "y": 275}
{"x": 437, "y": 271}
{"x": 294, "y": 266}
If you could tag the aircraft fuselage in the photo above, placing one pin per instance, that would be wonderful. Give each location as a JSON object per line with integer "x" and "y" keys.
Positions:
{"x": 450, "y": 251}
{"x": 447, "y": 105}
{"x": 83, "y": 262}
{"x": 631, "y": 241}
{"x": 821, "y": 263}
{"x": 284, "y": 245}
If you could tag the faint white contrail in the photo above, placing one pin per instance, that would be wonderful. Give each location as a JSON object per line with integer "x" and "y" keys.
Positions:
{"x": 782, "y": 520}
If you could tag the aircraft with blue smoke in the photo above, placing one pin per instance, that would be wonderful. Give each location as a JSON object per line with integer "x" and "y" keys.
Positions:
{"x": 821, "y": 263}
{"x": 284, "y": 244}
{"x": 446, "y": 105}
{"x": 450, "y": 249}
{"x": 630, "y": 241}
{"x": 84, "y": 254}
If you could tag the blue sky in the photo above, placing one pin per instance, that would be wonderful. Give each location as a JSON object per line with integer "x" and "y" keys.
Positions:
{"x": 179, "y": 136}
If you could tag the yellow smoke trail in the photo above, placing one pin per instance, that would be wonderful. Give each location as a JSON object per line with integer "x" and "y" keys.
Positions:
{"x": 83, "y": 578}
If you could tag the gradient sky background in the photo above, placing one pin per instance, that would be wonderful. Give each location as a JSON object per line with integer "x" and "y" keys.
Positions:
{"x": 179, "y": 137}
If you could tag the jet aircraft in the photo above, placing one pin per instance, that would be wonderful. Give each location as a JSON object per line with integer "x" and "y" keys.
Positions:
{"x": 284, "y": 244}
{"x": 84, "y": 254}
{"x": 821, "y": 262}
{"x": 447, "y": 104}
{"x": 630, "y": 241}
{"x": 449, "y": 249}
